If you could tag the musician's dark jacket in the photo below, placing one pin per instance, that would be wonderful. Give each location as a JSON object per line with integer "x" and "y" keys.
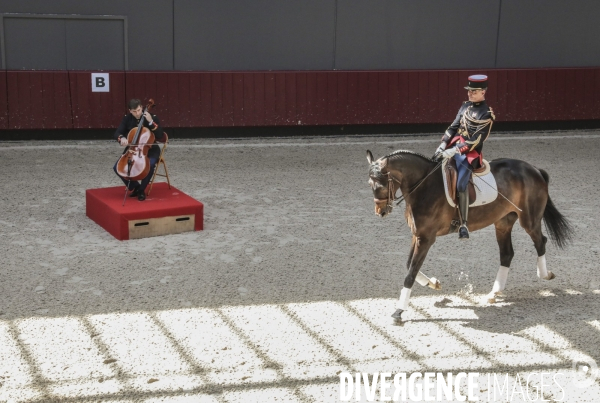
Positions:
{"x": 469, "y": 130}
{"x": 130, "y": 122}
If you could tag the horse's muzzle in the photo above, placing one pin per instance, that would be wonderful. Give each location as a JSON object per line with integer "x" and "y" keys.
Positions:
{"x": 382, "y": 209}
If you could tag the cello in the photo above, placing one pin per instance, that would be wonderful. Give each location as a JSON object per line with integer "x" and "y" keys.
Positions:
{"x": 134, "y": 164}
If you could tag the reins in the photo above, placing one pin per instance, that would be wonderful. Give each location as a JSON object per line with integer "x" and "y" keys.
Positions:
{"x": 401, "y": 198}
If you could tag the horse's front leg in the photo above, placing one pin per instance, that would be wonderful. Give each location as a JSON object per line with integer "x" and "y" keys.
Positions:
{"x": 421, "y": 278}
{"x": 421, "y": 247}
{"x": 432, "y": 282}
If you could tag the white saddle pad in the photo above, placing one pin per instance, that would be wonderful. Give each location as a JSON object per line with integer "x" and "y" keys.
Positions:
{"x": 486, "y": 189}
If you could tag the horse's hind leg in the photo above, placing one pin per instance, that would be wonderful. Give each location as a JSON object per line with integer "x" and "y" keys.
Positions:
{"x": 534, "y": 229}
{"x": 503, "y": 236}
{"x": 539, "y": 240}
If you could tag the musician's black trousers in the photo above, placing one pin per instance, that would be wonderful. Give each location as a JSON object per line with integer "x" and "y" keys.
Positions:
{"x": 134, "y": 184}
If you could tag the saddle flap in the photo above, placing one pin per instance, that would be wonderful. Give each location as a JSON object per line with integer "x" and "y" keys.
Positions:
{"x": 451, "y": 178}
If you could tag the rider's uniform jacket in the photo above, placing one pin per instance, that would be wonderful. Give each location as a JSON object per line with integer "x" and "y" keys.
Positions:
{"x": 129, "y": 122}
{"x": 470, "y": 129}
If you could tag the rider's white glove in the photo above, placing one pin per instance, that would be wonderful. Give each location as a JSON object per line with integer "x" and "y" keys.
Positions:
{"x": 449, "y": 153}
{"x": 441, "y": 148}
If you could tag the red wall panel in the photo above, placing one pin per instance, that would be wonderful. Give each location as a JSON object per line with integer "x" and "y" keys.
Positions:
{"x": 301, "y": 98}
{"x": 97, "y": 110}
{"x": 291, "y": 117}
{"x": 270, "y": 99}
{"x": 237, "y": 89}
{"x": 258, "y": 110}
{"x": 281, "y": 99}
{"x": 3, "y": 102}
{"x": 38, "y": 100}
{"x": 59, "y": 99}
{"x": 596, "y": 87}
{"x": 216, "y": 90}
{"x": 311, "y": 114}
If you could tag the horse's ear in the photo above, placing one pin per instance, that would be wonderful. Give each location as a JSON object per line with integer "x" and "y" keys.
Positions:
{"x": 369, "y": 157}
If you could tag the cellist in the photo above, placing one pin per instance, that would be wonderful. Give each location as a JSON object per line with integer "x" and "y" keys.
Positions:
{"x": 130, "y": 121}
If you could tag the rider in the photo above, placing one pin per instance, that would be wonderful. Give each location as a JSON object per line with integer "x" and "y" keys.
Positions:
{"x": 464, "y": 139}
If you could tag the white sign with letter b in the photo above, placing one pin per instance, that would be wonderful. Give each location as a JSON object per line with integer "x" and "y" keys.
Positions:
{"x": 100, "y": 82}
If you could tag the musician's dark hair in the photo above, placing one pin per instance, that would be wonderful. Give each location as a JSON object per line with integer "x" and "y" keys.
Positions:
{"x": 134, "y": 103}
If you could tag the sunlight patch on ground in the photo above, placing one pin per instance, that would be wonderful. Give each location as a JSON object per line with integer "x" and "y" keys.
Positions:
{"x": 298, "y": 353}
{"x": 15, "y": 373}
{"x": 251, "y": 353}
{"x": 595, "y": 323}
{"x": 215, "y": 347}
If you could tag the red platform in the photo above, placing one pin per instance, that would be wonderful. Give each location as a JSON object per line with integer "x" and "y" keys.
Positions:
{"x": 165, "y": 211}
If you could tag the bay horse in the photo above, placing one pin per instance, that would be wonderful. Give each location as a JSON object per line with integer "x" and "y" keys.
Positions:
{"x": 525, "y": 197}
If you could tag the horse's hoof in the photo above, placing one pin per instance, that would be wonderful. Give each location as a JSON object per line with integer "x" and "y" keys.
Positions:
{"x": 434, "y": 283}
{"x": 550, "y": 276}
{"x": 397, "y": 316}
{"x": 491, "y": 298}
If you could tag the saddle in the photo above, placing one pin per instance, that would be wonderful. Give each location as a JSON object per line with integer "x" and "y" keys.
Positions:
{"x": 452, "y": 176}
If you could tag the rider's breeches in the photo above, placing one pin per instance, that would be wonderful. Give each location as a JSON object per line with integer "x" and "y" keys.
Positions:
{"x": 133, "y": 184}
{"x": 464, "y": 173}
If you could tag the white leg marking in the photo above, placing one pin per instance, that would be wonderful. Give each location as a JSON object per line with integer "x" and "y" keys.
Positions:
{"x": 432, "y": 282}
{"x": 422, "y": 279}
{"x": 404, "y": 297}
{"x": 499, "y": 284}
{"x": 542, "y": 271}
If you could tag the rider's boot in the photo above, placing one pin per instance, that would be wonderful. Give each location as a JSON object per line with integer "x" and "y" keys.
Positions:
{"x": 463, "y": 206}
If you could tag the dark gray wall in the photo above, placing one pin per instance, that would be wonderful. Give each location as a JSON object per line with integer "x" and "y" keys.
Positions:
{"x": 423, "y": 34}
{"x": 254, "y": 35}
{"x": 549, "y": 33}
{"x": 149, "y": 30}
{"x": 24, "y": 46}
{"x": 64, "y": 43}
{"x": 302, "y": 34}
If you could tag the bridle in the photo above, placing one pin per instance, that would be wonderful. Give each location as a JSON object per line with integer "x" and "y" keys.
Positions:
{"x": 391, "y": 196}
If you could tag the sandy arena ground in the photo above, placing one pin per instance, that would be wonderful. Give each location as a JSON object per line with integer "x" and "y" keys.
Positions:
{"x": 291, "y": 283}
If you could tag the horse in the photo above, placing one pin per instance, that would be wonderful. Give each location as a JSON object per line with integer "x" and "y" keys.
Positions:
{"x": 524, "y": 191}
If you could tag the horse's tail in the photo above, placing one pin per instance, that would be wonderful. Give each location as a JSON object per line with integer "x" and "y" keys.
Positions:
{"x": 558, "y": 227}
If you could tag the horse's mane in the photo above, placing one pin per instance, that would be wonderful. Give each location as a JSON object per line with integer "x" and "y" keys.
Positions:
{"x": 400, "y": 153}
{"x": 375, "y": 170}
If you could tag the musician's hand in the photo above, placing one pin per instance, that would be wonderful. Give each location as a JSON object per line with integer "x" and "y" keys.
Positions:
{"x": 148, "y": 117}
{"x": 123, "y": 141}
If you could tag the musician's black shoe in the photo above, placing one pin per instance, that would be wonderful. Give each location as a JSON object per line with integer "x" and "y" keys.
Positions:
{"x": 134, "y": 192}
{"x": 463, "y": 232}
{"x": 141, "y": 195}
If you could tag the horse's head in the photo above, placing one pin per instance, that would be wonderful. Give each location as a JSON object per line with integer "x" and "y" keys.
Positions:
{"x": 383, "y": 184}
